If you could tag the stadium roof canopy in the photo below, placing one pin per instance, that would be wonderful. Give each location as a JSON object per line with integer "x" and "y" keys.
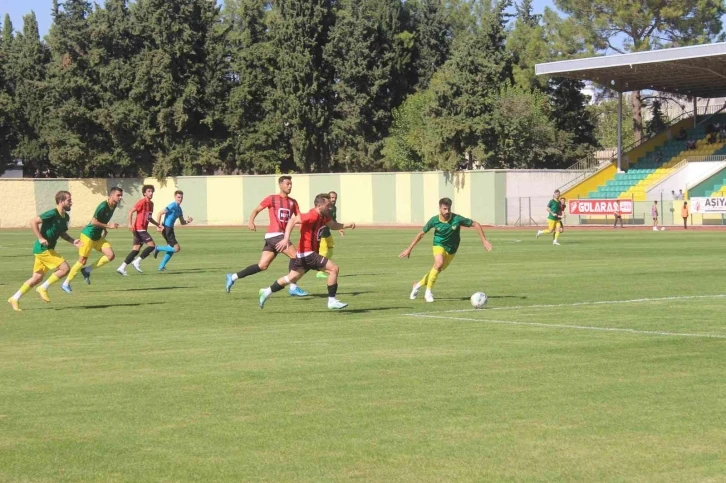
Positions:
{"x": 699, "y": 70}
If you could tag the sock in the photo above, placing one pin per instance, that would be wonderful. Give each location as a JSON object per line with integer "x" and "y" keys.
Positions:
{"x": 251, "y": 270}
{"x": 424, "y": 281}
{"x": 25, "y": 288}
{"x": 130, "y": 258}
{"x": 147, "y": 251}
{"x": 433, "y": 275}
{"x": 51, "y": 280}
{"x": 332, "y": 290}
{"x": 275, "y": 287}
{"x": 101, "y": 262}
{"x": 293, "y": 287}
{"x": 72, "y": 274}
{"x": 166, "y": 249}
{"x": 557, "y": 235}
{"x": 123, "y": 266}
{"x": 167, "y": 257}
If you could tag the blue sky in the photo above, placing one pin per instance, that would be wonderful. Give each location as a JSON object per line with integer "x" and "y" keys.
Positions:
{"x": 18, "y": 8}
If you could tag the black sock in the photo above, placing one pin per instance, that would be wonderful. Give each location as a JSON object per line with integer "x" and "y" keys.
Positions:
{"x": 332, "y": 290}
{"x": 130, "y": 257}
{"x": 251, "y": 270}
{"x": 276, "y": 287}
{"x": 147, "y": 251}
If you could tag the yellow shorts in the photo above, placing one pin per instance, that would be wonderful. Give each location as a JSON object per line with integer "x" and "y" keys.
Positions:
{"x": 448, "y": 257}
{"x": 89, "y": 245}
{"x": 552, "y": 224}
{"x": 325, "y": 243}
{"x": 48, "y": 260}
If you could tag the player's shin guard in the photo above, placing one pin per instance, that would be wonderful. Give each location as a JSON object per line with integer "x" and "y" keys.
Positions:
{"x": 25, "y": 288}
{"x": 130, "y": 257}
{"x": 251, "y": 270}
{"x": 74, "y": 271}
{"x": 101, "y": 262}
{"x": 165, "y": 249}
{"x": 165, "y": 260}
{"x": 557, "y": 234}
{"x": 332, "y": 290}
{"x": 51, "y": 280}
{"x": 424, "y": 281}
{"x": 432, "y": 276}
{"x": 275, "y": 287}
{"x": 147, "y": 251}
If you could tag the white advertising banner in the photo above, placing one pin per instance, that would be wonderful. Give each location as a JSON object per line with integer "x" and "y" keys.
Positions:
{"x": 601, "y": 207}
{"x": 701, "y": 206}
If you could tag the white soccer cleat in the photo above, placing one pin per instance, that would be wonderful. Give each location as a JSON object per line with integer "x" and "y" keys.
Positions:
{"x": 137, "y": 265}
{"x": 555, "y": 242}
{"x": 539, "y": 234}
{"x": 414, "y": 292}
{"x": 121, "y": 271}
{"x": 655, "y": 228}
{"x": 429, "y": 296}
{"x": 336, "y": 305}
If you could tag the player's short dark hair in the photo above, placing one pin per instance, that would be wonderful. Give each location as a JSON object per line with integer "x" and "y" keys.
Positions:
{"x": 283, "y": 178}
{"x": 147, "y": 187}
{"x": 445, "y": 202}
{"x": 178, "y": 192}
{"x": 320, "y": 199}
{"x": 115, "y": 189}
{"x": 333, "y": 193}
{"x": 61, "y": 196}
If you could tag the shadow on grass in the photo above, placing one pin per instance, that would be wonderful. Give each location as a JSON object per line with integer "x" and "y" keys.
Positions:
{"x": 518, "y": 297}
{"x": 344, "y": 294}
{"x": 359, "y": 275}
{"x": 107, "y": 306}
{"x": 371, "y": 309}
{"x": 149, "y": 288}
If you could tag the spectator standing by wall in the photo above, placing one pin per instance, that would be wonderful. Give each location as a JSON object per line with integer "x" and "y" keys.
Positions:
{"x": 654, "y": 214}
{"x": 684, "y": 214}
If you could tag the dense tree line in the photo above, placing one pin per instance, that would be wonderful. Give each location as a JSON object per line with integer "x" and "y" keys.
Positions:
{"x": 170, "y": 87}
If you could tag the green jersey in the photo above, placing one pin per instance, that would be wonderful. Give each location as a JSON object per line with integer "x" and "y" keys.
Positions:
{"x": 51, "y": 227}
{"x": 333, "y": 216}
{"x": 103, "y": 213}
{"x": 556, "y": 208}
{"x": 446, "y": 233}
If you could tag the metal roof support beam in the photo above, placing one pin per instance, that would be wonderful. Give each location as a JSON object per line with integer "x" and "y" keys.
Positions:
{"x": 620, "y": 132}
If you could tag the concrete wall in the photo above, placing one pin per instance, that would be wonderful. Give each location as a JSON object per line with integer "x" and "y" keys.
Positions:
{"x": 691, "y": 173}
{"x": 365, "y": 198}
{"x": 537, "y": 182}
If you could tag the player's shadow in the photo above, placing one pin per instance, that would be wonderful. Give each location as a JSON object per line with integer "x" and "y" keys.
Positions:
{"x": 371, "y": 309}
{"x": 149, "y": 288}
{"x": 359, "y": 275}
{"x": 107, "y": 306}
{"x": 519, "y": 297}
{"x": 344, "y": 294}
{"x": 188, "y": 270}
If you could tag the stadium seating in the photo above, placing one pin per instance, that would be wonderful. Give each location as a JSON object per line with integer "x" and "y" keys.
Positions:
{"x": 649, "y": 169}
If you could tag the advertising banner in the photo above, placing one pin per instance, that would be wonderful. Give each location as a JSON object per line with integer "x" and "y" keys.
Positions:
{"x": 702, "y": 206}
{"x": 601, "y": 207}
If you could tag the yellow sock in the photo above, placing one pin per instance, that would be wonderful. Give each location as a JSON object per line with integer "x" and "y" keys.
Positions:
{"x": 25, "y": 288}
{"x": 74, "y": 271}
{"x": 557, "y": 235}
{"x": 432, "y": 276}
{"x": 101, "y": 262}
{"x": 328, "y": 253}
{"x": 424, "y": 281}
{"x": 52, "y": 279}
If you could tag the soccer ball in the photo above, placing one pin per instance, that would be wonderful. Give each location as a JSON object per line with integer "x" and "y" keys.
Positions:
{"x": 479, "y": 300}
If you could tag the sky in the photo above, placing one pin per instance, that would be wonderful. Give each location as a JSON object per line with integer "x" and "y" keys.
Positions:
{"x": 19, "y": 8}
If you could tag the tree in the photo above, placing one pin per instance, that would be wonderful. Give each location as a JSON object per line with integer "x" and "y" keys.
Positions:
{"x": 7, "y": 131}
{"x": 657, "y": 123}
{"x": 606, "y": 119}
{"x": 645, "y": 25}
{"x": 573, "y": 121}
{"x": 433, "y": 39}
{"x": 528, "y": 46}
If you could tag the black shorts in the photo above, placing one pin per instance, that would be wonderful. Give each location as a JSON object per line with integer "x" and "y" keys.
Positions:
{"x": 169, "y": 236}
{"x": 312, "y": 262}
{"x": 142, "y": 237}
{"x": 271, "y": 242}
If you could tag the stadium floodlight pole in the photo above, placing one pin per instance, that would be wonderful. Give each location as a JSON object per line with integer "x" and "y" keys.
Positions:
{"x": 620, "y": 131}
{"x": 695, "y": 112}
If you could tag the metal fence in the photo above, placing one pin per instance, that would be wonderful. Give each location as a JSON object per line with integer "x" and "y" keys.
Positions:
{"x": 526, "y": 210}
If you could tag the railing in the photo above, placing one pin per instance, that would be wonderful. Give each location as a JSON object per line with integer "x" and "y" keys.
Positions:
{"x": 588, "y": 166}
{"x": 710, "y": 111}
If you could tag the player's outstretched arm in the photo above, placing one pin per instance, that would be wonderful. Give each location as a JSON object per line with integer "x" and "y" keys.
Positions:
{"x": 159, "y": 217}
{"x": 484, "y": 241}
{"x": 334, "y": 225}
{"x": 187, "y": 221}
{"x": 35, "y": 225}
{"x": 105, "y": 226}
{"x": 253, "y": 215}
{"x": 407, "y": 252}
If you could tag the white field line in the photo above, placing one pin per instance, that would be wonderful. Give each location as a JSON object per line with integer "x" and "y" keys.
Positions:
{"x": 575, "y": 327}
{"x": 578, "y": 304}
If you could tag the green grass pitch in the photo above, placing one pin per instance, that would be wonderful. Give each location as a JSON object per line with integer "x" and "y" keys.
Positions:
{"x": 165, "y": 377}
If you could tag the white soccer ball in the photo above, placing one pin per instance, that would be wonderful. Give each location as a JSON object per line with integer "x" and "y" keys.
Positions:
{"x": 479, "y": 300}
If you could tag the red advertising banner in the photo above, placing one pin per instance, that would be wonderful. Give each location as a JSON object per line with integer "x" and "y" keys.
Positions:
{"x": 601, "y": 207}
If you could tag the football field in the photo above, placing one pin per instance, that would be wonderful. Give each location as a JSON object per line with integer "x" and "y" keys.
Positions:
{"x": 602, "y": 360}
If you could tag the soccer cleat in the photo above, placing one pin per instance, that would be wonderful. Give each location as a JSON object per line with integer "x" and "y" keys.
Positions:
{"x": 122, "y": 272}
{"x": 156, "y": 252}
{"x": 555, "y": 242}
{"x": 66, "y": 288}
{"x": 429, "y": 296}
{"x": 162, "y": 269}
{"x": 230, "y": 282}
{"x": 336, "y": 305}
{"x": 539, "y": 234}
{"x": 263, "y": 299}
{"x": 86, "y": 275}
{"x": 43, "y": 293}
{"x": 136, "y": 264}
{"x": 414, "y": 292}
{"x": 298, "y": 292}
{"x": 321, "y": 275}
{"x": 15, "y": 304}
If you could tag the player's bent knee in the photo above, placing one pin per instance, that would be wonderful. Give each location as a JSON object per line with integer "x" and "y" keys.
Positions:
{"x": 177, "y": 248}
{"x": 110, "y": 256}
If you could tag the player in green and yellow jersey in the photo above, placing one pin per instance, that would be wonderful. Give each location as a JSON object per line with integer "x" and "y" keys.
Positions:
{"x": 327, "y": 243}
{"x": 554, "y": 218}
{"x": 447, "y": 226}
{"x": 48, "y": 227}
{"x": 93, "y": 237}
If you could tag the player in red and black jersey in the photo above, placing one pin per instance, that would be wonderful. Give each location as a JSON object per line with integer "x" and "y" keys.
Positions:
{"x": 311, "y": 226}
{"x": 144, "y": 210}
{"x": 281, "y": 208}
